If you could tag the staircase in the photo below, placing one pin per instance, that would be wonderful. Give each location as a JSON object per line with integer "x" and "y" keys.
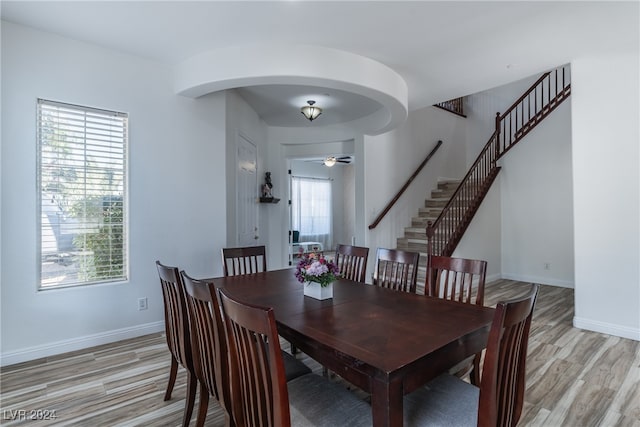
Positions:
{"x": 415, "y": 236}
{"x": 441, "y": 224}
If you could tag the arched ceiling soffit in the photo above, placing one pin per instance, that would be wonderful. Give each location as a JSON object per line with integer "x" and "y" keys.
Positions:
{"x": 302, "y": 65}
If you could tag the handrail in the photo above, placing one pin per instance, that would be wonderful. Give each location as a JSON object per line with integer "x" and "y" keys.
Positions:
{"x": 404, "y": 187}
{"x": 525, "y": 94}
{"x": 534, "y": 105}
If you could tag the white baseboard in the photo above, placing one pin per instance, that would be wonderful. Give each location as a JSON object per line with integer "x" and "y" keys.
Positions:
{"x": 537, "y": 279}
{"x": 578, "y": 322}
{"x": 73, "y": 344}
{"x": 607, "y": 328}
{"x": 492, "y": 278}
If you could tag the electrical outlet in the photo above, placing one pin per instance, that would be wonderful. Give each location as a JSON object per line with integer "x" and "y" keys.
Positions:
{"x": 142, "y": 303}
{"x": 547, "y": 266}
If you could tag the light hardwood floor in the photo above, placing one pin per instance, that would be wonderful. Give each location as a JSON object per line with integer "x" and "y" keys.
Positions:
{"x": 574, "y": 377}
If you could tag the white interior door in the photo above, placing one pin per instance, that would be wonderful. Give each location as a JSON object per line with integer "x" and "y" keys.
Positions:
{"x": 247, "y": 191}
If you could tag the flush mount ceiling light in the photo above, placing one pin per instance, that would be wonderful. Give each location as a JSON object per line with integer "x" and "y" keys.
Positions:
{"x": 330, "y": 161}
{"x": 311, "y": 112}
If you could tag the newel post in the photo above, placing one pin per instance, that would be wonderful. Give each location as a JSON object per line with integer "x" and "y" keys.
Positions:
{"x": 428, "y": 278}
{"x": 497, "y": 136}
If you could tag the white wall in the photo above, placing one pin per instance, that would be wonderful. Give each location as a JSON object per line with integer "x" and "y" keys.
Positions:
{"x": 175, "y": 210}
{"x": 482, "y": 240}
{"x": 348, "y": 232}
{"x": 537, "y": 204}
{"x": 606, "y": 164}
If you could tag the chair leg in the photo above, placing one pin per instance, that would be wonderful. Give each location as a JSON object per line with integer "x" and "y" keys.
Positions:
{"x": 203, "y": 406}
{"x": 172, "y": 377}
{"x": 192, "y": 383}
{"x": 293, "y": 349}
{"x": 474, "y": 375}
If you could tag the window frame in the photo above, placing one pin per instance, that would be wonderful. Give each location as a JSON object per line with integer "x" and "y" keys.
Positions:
{"x": 107, "y": 203}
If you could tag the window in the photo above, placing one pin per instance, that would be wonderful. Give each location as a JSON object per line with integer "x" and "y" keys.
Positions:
{"x": 82, "y": 195}
{"x": 311, "y": 209}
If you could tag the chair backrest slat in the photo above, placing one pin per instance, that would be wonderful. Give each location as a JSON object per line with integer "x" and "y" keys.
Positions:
{"x": 245, "y": 260}
{"x": 352, "y": 262}
{"x": 396, "y": 269}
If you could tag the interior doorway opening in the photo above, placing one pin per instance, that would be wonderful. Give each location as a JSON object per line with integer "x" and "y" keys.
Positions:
{"x": 322, "y": 205}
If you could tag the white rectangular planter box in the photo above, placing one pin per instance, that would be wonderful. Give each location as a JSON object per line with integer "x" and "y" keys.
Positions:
{"x": 314, "y": 290}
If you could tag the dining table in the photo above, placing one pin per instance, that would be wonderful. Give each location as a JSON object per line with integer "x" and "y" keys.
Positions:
{"x": 388, "y": 343}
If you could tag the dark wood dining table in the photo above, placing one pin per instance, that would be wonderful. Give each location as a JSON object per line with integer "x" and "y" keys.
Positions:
{"x": 388, "y": 343}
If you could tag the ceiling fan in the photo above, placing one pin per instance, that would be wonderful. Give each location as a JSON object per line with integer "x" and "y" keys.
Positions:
{"x": 332, "y": 160}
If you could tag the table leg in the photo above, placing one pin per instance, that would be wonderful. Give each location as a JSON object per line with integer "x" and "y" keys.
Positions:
{"x": 386, "y": 403}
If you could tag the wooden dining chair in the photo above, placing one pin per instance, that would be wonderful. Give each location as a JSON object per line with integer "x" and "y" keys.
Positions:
{"x": 457, "y": 279}
{"x": 209, "y": 346}
{"x": 462, "y": 280}
{"x": 245, "y": 260}
{"x": 396, "y": 269}
{"x": 448, "y": 400}
{"x": 262, "y": 396}
{"x": 352, "y": 262}
{"x": 177, "y": 334}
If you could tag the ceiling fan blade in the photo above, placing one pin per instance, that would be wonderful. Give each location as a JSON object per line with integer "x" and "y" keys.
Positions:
{"x": 343, "y": 159}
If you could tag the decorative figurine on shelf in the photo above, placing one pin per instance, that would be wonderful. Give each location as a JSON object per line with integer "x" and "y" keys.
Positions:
{"x": 266, "y": 196}
{"x": 268, "y": 185}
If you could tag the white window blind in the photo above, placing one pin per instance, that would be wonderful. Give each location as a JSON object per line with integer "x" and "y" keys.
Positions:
{"x": 82, "y": 181}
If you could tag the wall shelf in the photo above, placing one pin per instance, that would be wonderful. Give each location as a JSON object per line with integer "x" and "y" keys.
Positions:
{"x": 269, "y": 200}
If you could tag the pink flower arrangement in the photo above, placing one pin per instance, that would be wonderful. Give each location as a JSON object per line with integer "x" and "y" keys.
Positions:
{"x": 313, "y": 267}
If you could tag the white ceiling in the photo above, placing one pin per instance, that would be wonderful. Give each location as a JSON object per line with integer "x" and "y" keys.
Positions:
{"x": 442, "y": 50}
{"x": 273, "y": 103}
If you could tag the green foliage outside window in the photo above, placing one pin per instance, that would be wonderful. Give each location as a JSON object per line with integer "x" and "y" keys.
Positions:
{"x": 104, "y": 249}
